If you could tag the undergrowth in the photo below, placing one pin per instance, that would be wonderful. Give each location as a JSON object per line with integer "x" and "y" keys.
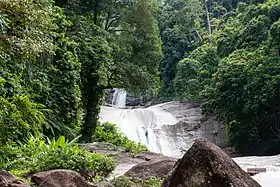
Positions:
{"x": 35, "y": 155}
{"x": 124, "y": 181}
{"x": 108, "y": 132}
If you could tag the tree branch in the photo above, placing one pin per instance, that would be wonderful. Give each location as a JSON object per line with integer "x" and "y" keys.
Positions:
{"x": 119, "y": 30}
{"x": 198, "y": 34}
{"x": 208, "y": 20}
{"x": 107, "y": 21}
{"x": 112, "y": 21}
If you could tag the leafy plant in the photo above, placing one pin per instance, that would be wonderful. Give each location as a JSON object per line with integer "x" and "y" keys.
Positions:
{"x": 19, "y": 117}
{"x": 108, "y": 132}
{"x": 153, "y": 182}
{"x": 124, "y": 181}
{"x": 35, "y": 155}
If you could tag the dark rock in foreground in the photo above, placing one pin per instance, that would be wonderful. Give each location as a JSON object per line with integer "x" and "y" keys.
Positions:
{"x": 153, "y": 168}
{"x": 8, "y": 180}
{"x": 206, "y": 165}
{"x": 59, "y": 178}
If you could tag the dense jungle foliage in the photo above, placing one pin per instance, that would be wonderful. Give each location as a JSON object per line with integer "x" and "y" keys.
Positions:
{"x": 228, "y": 57}
{"x": 56, "y": 60}
{"x": 57, "y": 57}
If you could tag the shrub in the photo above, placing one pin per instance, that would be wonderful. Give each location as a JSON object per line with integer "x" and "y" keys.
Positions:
{"x": 153, "y": 182}
{"x": 19, "y": 117}
{"x": 8, "y": 153}
{"x": 108, "y": 132}
{"x": 35, "y": 155}
{"x": 124, "y": 181}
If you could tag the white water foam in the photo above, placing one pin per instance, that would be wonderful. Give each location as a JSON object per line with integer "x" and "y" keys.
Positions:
{"x": 271, "y": 178}
{"x": 268, "y": 179}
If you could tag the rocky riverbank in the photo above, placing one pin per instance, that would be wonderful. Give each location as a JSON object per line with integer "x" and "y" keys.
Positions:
{"x": 211, "y": 163}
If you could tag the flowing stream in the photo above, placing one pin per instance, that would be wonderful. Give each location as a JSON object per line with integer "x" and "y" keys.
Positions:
{"x": 158, "y": 129}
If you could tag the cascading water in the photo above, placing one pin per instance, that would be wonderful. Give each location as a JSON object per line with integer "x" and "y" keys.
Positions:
{"x": 152, "y": 127}
{"x": 141, "y": 125}
{"x": 119, "y": 98}
{"x": 163, "y": 132}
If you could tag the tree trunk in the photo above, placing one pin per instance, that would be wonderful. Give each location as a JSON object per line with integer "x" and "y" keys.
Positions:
{"x": 208, "y": 20}
{"x": 92, "y": 107}
{"x": 235, "y": 4}
{"x": 60, "y": 3}
{"x": 95, "y": 12}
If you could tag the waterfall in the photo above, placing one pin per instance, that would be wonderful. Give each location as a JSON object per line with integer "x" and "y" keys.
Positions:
{"x": 152, "y": 127}
{"x": 119, "y": 98}
{"x": 159, "y": 128}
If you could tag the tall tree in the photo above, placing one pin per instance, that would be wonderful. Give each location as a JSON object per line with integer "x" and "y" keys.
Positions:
{"x": 94, "y": 54}
{"x": 140, "y": 73}
{"x": 179, "y": 34}
{"x": 119, "y": 46}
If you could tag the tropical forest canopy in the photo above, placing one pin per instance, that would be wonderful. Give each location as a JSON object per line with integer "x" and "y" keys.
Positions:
{"x": 226, "y": 54}
{"x": 58, "y": 57}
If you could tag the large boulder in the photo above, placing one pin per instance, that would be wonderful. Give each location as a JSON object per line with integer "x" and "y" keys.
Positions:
{"x": 152, "y": 168}
{"x": 206, "y": 165}
{"x": 8, "y": 180}
{"x": 59, "y": 178}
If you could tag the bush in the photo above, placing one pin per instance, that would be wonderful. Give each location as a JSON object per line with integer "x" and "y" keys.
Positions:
{"x": 8, "y": 153}
{"x": 19, "y": 117}
{"x": 108, "y": 132}
{"x": 124, "y": 181}
{"x": 35, "y": 155}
